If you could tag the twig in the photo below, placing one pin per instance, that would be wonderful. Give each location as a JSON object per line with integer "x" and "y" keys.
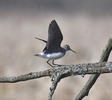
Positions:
{"x": 85, "y": 90}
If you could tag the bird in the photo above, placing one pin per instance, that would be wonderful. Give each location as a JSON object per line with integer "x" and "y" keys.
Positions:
{"x": 53, "y": 49}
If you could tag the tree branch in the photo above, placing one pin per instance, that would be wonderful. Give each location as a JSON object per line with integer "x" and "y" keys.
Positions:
{"x": 29, "y": 76}
{"x": 55, "y": 79}
{"x": 63, "y": 71}
{"x": 85, "y": 90}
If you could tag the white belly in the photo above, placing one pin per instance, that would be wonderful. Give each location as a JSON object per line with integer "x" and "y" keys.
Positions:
{"x": 51, "y": 55}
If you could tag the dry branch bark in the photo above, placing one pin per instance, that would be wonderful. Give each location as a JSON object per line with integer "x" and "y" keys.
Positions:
{"x": 63, "y": 71}
{"x": 85, "y": 90}
{"x": 25, "y": 77}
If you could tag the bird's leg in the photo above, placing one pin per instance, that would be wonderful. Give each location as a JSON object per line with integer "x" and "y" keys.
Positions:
{"x": 54, "y": 63}
{"x": 49, "y": 63}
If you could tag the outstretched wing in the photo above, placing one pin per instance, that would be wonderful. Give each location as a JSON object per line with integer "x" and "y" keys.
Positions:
{"x": 55, "y": 38}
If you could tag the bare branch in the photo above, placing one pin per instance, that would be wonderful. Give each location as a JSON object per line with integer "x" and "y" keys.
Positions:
{"x": 63, "y": 71}
{"x": 57, "y": 73}
{"x": 55, "y": 80}
{"x": 85, "y": 90}
{"x": 29, "y": 76}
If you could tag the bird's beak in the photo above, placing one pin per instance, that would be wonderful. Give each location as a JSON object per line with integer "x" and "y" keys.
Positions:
{"x": 73, "y": 51}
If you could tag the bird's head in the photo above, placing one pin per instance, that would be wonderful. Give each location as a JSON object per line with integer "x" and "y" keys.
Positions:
{"x": 67, "y": 48}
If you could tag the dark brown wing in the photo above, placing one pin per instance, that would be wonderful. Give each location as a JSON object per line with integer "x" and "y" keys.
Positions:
{"x": 55, "y": 38}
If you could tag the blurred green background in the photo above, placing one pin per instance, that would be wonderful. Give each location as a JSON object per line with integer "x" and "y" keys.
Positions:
{"x": 86, "y": 26}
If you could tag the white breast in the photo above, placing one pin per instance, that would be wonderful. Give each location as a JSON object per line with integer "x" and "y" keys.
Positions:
{"x": 51, "y": 55}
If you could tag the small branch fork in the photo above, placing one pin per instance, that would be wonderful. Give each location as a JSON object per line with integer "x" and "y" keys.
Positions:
{"x": 61, "y": 71}
{"x": 58, "y": 73}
